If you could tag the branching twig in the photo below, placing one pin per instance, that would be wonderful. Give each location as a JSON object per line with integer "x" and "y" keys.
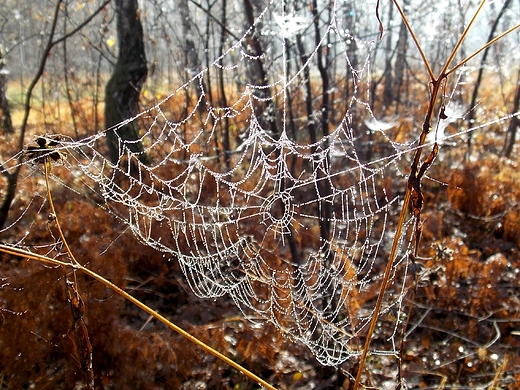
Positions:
{"x": 413, "y": 195}
{"x": 491, "y": 42}
{"x": 82, "y": 24}
{"x": 461, "y": 40}
{"x": 13, "y": 177}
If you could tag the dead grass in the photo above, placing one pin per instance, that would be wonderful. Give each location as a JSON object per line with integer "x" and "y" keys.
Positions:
{"x": 463, "y": 325}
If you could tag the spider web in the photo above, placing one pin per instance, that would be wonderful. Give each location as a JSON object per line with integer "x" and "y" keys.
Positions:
{"x": 297, "y": 232}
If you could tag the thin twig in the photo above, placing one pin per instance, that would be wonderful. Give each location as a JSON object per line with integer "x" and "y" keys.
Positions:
{"x": 13, "y": 178}
{"x": 47, "y": 170}
{"x": 491, "y": 42}
{"x": 461, "y": 39}
{"x": 416, "y": 40}
{"x": 82, "y": 24}
{"x": 78, "y": 331}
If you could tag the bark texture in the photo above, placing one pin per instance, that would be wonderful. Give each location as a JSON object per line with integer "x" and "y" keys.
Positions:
{"x": 124, "y": 87}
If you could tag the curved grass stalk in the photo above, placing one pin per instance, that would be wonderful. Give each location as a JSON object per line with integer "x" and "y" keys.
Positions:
{"x": 78, "y": 332}
{"x": 47, "y": 170}
{"x": 76, "y": 266}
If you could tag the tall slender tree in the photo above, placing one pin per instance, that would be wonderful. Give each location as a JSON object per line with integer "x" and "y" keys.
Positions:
{"x": 400, "y": 59}
{"x": 514, "y": 125}
{"x": 478, "y": 82}
{"x": 124, "y": 87}
{"x": 6, "y": 124}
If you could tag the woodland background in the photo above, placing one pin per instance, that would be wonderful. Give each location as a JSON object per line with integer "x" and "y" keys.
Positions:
{"x": 64, "y": 62}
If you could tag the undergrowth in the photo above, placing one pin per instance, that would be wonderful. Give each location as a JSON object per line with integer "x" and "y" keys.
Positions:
{"x": 463, "y": 326}
{"x": 462, "y": 323}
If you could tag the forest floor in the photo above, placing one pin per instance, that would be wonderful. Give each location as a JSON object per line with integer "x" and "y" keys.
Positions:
{"x": 464, "y": 315}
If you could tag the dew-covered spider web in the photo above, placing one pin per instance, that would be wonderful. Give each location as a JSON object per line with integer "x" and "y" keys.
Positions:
{"x": 285, "y": 198}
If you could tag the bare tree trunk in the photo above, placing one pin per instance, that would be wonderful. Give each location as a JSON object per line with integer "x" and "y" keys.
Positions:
{"x": 311, "y": 124}
{"x": 400, "y": 60}
{"x": 6, "y": 122}
{"x": 96, "y": 99}
{"x": 290, "y": 99}
{"x": 66, "y": 75}
{"x": 208, "y": 83}
{"x": 324, "y": 190}
{"x": 258, "y": 72}
{"x": 388, "y": 92}
{"x": 514, "y": 125}
{"x": 222, "y": 88}
{"x": 462, "y": 51}
{"x": 191, "y": 57}
{"x": 124, "y": 87}
{"x": 352, "y": 46}
{"x": 471, "y": 116}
